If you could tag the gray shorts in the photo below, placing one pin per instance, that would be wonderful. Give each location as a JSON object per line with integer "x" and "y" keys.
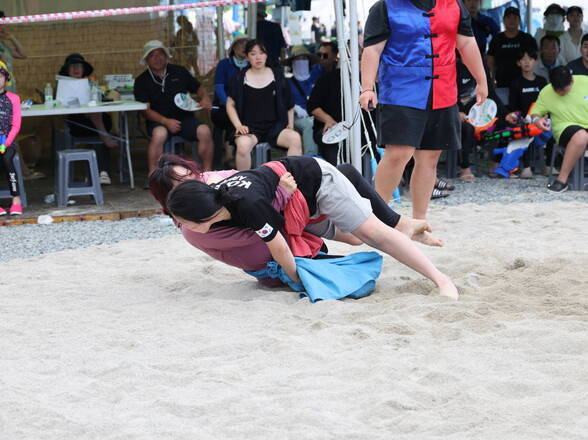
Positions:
{"x": 340, "y": 202}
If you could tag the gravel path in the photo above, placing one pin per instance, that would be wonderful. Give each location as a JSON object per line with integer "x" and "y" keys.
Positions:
{"x": 31, "y": 240}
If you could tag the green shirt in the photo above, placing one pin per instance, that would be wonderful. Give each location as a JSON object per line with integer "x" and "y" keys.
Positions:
{"x": 564, "y": 111}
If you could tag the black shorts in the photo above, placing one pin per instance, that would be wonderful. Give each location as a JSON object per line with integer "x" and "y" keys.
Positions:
{"x": 422, "y": 129}
{"x": 568, "y": 134}
{"x": 187, "y": 130}
{"x": 265, "y": 132}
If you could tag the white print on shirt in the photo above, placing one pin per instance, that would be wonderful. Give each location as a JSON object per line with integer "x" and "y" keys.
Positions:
{"x": 265, "y": 231}
{"x": 235, "y": 181}
{"x": 530, "y": 89}
{"x": 510, "y": 46}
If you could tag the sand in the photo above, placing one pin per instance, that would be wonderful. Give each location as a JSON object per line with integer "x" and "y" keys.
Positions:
{"x": 150, "y": 339}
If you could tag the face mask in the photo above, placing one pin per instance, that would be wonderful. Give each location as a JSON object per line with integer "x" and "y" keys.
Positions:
{"x": 300, "y": 69}
{"x": 554, "y": 22}
{"x": 241, "y": 64}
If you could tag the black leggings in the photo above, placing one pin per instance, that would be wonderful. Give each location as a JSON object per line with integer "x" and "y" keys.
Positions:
{"x": 381, "y": 210}
{"x": 468, "y": 142}
{"x": 8, "y": 162}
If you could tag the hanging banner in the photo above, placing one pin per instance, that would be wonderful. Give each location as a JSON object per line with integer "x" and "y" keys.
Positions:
{"x": 98, "y": 13}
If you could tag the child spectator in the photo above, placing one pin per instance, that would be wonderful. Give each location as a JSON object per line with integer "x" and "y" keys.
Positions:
{"x": 524, "y": 91}
{"x": 10, "y": 118}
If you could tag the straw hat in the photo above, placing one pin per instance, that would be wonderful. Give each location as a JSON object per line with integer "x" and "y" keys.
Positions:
{"x": 298, "y": 52}
{"x": 152, "y": 45}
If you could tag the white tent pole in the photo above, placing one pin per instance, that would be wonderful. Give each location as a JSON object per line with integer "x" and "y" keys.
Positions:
{"x": 529, "y": 18}
{"x": 220, "y": 32}
{"x": 252, "y": 20}
{"x": 344, "y": 63}
{"x": 355, "y": 133}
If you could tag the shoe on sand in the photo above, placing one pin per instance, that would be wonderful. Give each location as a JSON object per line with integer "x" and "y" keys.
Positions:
{"x": 2, "y": 211}
{"x": 104, "y": 178}
{"x": 558, "y": 187}
{"x": 438, "y": 194}
{"x": 527, "y": 173}
{"x": 16, "y": 209}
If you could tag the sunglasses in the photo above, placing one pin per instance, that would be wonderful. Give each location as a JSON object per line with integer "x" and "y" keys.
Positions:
{"x": 324, "y": 56}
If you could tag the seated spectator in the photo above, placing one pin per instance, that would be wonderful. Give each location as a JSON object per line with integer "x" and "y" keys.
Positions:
{"x": 226, "y": 70}
{"x": 565, "y": 101}
{"x": 504, "y": 47}
{"x": 260, "y": 107}
{"x": 301, "y": 82}
{"x": 523, "y": 92}
{"x": 553, "y": 22}
{"x": 482, "y": 25}
{"x": 549, "y": 57}
{"x": 157, "y": 86}
{"x": 328, "y": 57}
{"x": 76, "y": 66}
{"x": 572, "y": 39}
{"x": 580, "y": 66}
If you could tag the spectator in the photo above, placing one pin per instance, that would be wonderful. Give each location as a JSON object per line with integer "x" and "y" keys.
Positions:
{"x": 157, "y": 86}
{"x": 523, "y": 92}
{"x": 571, "y": 44}
{"x": 549, "y": 56}
{"x": 318, "y": 30}
{"x": 328, "y": 56}
{"x": 564, "y": 100}
{"x": 226, "y": 70}
{"x": 187, "y": 43}
{"x": 8, "y": 53}
{"x": 76, "y": 66}
{"x": 260, "y": 107}
{"x": 482, "y": 25}
{"x": 553, "y": 22}
{"x": 301, "y": 83}
{"x": 580, "y": 65}
{"x": 271, "y": 36}
{"x": 334, "y": 31}
{"x": 504, "y": 47}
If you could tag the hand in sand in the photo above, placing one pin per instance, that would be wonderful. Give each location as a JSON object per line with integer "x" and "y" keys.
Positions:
{"x": 447, "y": 288}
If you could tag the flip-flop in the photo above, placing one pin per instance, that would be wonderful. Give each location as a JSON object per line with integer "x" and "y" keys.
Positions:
{"x": 442, "y": 184}
{"x": 438, "y": 194}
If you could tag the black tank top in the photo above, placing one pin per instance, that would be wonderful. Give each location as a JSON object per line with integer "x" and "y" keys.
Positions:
{"x": 259, "y": 105}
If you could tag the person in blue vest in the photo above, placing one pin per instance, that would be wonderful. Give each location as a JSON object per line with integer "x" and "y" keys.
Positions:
{"x": 410, "y": 45}
{"x": 302, "y": 81}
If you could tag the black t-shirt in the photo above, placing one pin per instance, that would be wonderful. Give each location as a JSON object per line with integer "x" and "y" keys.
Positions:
{"x": 255, "y": 190}
{"x": 523, "y": 93}
{"x": 270, "y": 34}
{"x": 161, "y": 98}
{"x": 316, "y": 30}
{"x": 377, "y": 26}
{"x": 326, "y": 94}
{"x": 252, "y": 110}
{"x": 577, "y": 67}
{"x": 505, "y": 52}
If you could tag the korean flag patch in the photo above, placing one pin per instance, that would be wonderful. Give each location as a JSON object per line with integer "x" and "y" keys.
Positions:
{"x": 265, "y": 231}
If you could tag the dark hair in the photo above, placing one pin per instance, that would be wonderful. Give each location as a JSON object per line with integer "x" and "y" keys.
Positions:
{"x": 560, "y": 77}
{"x": 242, "y": 40}
{"x": 575, "y": 9}
{"x": 161, "y": 180}
{"x": 334, "y": 47}
{"x": 196, "y": 201}
{"x": 554, "y": 8}
{"x": 530, "y": 51}
{"x": 549, "y": 38}
{"x": 584, "y": 39}
{"x": 252, "y": 43}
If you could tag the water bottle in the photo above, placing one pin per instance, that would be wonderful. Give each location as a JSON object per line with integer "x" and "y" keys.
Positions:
{"x": 48, "y": 96}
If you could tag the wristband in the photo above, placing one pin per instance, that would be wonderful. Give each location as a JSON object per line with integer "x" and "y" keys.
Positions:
{"x": 366, "y": 90}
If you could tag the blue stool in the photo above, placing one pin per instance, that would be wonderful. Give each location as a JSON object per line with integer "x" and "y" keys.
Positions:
{"x": 5, "y": 193}
{"x": 65, "y": 187}
{"x": 171, "y": 147}
{"x": 260, "y": 154}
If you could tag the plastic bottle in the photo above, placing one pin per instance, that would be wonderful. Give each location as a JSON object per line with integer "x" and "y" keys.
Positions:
{"x": 48, "y": 95}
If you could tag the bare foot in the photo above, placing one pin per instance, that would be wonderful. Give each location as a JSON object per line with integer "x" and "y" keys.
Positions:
{"x": 448, "y": 289}
{"x": 428, "y": 239}
{"x": 411, "y": 227}
{"x": 109, "y": 142}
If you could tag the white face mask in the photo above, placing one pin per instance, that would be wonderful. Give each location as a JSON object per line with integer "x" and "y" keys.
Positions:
{"x": 240, "y": 63}
{"x": 554, "y": 22}
{"x": 300, "y": 69}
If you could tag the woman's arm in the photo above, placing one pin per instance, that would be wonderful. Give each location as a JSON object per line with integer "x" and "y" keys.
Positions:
{"x": 470, "y": 55}
{"x": 16, "y": 118}
{"x": 234, "y": 117}
{"x": 282, "y": 254}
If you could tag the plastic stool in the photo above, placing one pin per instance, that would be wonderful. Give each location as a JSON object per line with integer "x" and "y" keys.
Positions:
{"x": 577, "y": 179}
{"x": 5, "y": 193}
{"x": 170, "y": 146}
{"x": 260, "y": 154}
{"x": 65, "y": 186}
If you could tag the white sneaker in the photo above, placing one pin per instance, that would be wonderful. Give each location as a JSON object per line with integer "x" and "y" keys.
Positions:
{"x": 104, "y": 178}
{"x": 527, "y": 173}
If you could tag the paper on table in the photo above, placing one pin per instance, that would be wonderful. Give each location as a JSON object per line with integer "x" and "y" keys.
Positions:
{"x": 69, "y": 88}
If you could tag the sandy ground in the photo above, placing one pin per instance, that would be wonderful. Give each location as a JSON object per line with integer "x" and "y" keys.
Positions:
{"x": 151, "y": 339}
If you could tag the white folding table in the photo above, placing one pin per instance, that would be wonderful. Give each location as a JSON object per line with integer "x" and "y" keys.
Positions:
{"x": 120, "y": 107}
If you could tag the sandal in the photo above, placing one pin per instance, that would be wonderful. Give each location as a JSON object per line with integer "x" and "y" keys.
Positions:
{"x": 438, "y": 194}
{"x": 467, "y": 177}
{"x": 442, "y": 184}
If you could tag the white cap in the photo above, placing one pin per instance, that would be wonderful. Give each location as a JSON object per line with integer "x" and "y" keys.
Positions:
{"x": 152, "y": 45}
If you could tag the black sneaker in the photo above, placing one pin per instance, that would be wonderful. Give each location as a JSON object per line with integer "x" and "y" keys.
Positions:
{"x": 558, "y": 187}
